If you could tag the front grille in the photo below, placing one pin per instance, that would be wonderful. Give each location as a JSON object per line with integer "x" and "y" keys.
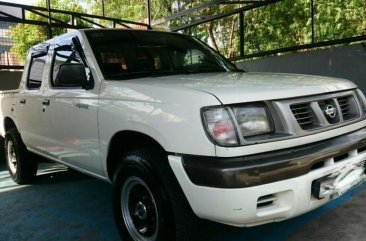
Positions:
{"x": 361, "y": 149}
{"x": 266, "y": 201}
{"x": 341, "y": 157}
{"x": 304, "y": 115}
{"x": 325, "y": 111}
{"x": 344, "y": 105}
{"x": 348, "y": 107}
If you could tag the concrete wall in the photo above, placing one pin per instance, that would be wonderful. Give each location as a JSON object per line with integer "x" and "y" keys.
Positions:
{"x": 346, "y": 62}
{"x": 10, "y": 80}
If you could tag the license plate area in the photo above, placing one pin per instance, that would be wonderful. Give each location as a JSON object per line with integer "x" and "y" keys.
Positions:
{"x": 340, "y": 181}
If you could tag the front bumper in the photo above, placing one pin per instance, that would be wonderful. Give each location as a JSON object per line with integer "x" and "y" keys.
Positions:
{"x": 270, "y": 189}
{"x": 258, "y": 169}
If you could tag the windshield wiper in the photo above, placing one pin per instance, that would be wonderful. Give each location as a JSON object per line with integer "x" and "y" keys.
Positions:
{"x": 138, "y": 74}
{"x": 152, "y": 73}
{"x": 199, "y": 70}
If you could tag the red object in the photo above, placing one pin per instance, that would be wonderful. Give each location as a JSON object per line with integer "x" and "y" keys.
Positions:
{"x": 221, "y": 128}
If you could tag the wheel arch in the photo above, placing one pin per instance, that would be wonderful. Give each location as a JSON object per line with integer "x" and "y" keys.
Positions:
{"x": 8, "y": 124}
{"x": 126, "y": 141}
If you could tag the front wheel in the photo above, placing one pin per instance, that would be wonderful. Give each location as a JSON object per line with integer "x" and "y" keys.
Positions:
{"x": 148, "y": 204}
{"x": 21, "y": 166}
{"x": 139, "y": 209}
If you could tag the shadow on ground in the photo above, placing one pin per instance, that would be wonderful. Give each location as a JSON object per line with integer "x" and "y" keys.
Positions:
{"x": 69, "y": 206}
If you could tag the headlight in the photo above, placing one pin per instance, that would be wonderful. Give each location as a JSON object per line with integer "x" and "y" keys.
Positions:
{"x": 220, "y": 126}
{"x": 253, "y": 119}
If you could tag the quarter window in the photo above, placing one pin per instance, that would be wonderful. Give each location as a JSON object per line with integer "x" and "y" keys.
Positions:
{"x": 36, "y": 71}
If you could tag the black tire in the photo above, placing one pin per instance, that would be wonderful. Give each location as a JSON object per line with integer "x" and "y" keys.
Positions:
{"x": 21, "y": 165}
{"x": 146, "y": 194}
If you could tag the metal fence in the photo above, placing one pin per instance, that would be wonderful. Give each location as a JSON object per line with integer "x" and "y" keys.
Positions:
{"x": 8, "y": 58}
{"x": 50, "y": 20}
{"x": 308, "y": 25}
{"x": 191, "y": 17}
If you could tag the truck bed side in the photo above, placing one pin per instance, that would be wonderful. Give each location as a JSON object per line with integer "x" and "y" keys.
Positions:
{"x": 8, "y": 103}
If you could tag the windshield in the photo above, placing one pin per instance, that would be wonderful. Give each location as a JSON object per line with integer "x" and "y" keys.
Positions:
{"x": 126, "y": 54}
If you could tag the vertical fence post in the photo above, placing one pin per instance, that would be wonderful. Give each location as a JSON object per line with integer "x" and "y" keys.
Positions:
{"x": 312, "y": 21}
{"x": 149, "y": 13}
{"x": 241, "y": 34}
{"x": 48, "y": 3}
{"x": 103, "y": 10}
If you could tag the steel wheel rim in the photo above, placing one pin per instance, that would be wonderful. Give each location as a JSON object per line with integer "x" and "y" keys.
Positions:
{"x": 12, "y": 158}
{"x": 139, "y": 210}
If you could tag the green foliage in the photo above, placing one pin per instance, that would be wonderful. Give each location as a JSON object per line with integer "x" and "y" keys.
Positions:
{"x": 339, "y": 19}
{"x": 135, "y": 10}
{"x": 283, "y": 24}
{"x": 26, "y": 35}
{"x": 286, "y": 23}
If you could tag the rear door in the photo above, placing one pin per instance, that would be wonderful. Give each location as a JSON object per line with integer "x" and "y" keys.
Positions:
{"x": 70, "y": 112}
{"x": 30, "y": 97}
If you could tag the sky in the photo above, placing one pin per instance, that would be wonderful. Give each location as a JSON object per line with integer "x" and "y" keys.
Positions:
{"x": 34, "y": 2}
{"x": 25, "y": 2}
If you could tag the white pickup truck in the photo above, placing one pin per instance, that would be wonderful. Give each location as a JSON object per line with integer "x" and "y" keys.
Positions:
{"x": 182, "y": 133}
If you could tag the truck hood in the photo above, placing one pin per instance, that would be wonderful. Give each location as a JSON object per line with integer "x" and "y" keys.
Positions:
{"x": 248, "y": 87}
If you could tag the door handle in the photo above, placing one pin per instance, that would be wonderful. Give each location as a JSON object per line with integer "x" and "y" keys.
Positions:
{"x": 23, "y": 101}
{"x": 46, "y": 102}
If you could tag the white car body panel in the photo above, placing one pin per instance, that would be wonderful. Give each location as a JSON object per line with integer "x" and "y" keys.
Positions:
{"x": 232, "y": 88}
{"x": 160, "y": 113}
{"x": 8, "y": 102}
{"x": 71, "y": 128}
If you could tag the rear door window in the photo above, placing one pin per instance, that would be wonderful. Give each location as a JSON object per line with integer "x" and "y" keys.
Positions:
{"x": 37, "y": 68}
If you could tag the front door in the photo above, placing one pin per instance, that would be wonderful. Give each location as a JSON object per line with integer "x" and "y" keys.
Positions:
{"x": 70, "y": 114}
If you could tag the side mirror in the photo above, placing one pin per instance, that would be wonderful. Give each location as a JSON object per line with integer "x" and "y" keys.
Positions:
{"x": 71, "y": 75}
